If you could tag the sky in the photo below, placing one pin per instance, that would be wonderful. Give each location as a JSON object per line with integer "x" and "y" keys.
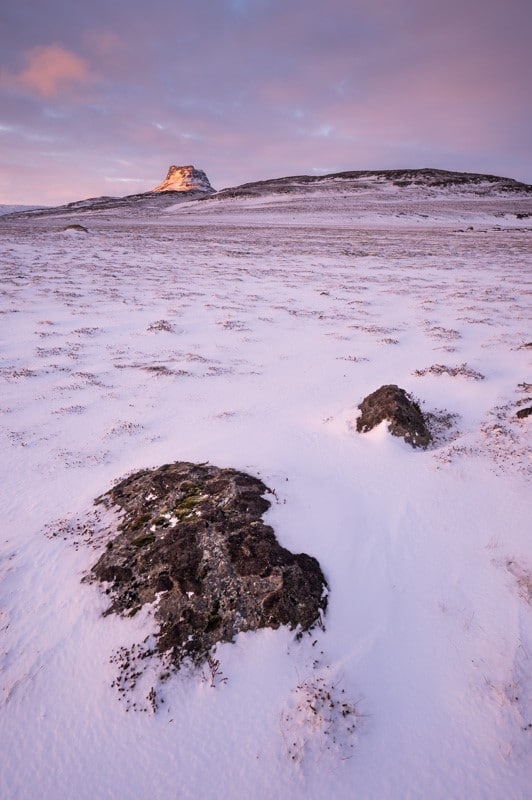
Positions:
{"x": 101, "y": 97}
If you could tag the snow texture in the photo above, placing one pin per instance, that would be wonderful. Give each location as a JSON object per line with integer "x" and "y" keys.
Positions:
{"x": 245, "y": 331}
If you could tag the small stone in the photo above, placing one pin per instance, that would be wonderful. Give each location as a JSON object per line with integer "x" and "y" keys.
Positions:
{"x": 75, "y": 228}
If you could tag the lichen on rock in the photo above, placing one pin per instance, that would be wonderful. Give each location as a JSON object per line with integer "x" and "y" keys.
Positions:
{"x": 403, "y": 414}
{"x": 192, "y": 540}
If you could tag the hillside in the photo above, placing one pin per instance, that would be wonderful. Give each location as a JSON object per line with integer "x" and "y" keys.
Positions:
{"x": 394, "y": 192}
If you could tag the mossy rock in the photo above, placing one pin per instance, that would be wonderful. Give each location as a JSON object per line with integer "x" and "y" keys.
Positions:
{"x": 193, "y": 541}
{"x": 142, "y": 541}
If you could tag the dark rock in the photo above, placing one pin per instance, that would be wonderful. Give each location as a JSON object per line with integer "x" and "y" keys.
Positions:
{"x": 524, "y": 412}
{"x": 192, "y": 538}
{"x": 77, "y": 228}
{"x": 403, "y": 414}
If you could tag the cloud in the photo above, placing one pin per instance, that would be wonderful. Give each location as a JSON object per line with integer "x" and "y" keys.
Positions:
{"x": 247, "y": 89}
{"x": 103, "y": 42}
{"x": 50, "y": 71}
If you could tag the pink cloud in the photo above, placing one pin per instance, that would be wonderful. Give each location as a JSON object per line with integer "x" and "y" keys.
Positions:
{"x": 103, "y": 43}
{"x": 50, "y": 70}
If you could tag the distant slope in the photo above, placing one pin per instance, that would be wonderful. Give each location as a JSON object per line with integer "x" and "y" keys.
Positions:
{"x": 181, "y": 184}
{"x": 13, "y": 209}
{"x": 436, "y": 179}
{"x": 146, "y": 202}
{"x": 400, "y": 184}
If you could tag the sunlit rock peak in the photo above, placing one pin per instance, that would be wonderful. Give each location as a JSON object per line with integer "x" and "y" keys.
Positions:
{"x": 184, "y": 179}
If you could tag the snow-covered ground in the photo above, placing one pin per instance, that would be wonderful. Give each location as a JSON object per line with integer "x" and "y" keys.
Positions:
{"x": 245, "y": 333}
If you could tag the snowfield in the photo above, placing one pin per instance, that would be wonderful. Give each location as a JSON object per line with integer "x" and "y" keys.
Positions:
{"x": 244, "y": 332}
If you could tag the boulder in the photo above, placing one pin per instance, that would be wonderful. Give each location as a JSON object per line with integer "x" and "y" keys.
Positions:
{"x": 193, "y": 541}
{"x": 403, "y": 414}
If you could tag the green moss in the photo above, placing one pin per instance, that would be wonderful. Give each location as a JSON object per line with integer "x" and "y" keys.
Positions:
{"x": 143, "y": 540}
{"x": 189, "y": 502}
{"x": 190, "y": 487}
{"x": 138, "y": 522}
{"x": 187, "y": 505}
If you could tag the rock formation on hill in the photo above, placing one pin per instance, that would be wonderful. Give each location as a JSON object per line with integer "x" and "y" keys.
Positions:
{"x": 184, "y": 179}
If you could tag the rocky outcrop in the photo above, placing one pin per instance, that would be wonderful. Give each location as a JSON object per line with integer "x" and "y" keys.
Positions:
{"x": 184, "y": 179}
{"x": 192, "y": 540}
{"x": 75, "y": 228}
{"x": 404, "y": 416}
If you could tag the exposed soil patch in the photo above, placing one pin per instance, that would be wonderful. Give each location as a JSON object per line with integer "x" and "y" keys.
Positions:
{"x": 404, "y": 415}
{"x": 504, "y": 436}
{"x": 523, "y": 577}
{"x": 463, "y": 370}
{"x": 192, "y": 540}
{"x": 161, "y": 325}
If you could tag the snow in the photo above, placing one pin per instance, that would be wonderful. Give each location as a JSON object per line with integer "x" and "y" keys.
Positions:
{"x": 383, "y": 207}
{"x": 241, "y": 334}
